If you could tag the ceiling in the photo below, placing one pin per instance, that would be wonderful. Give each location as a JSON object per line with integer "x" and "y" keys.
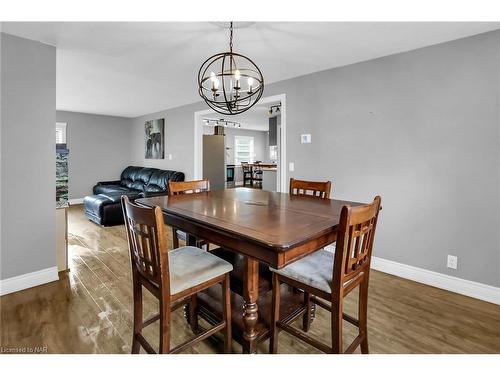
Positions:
{"x": 134, "y": 68}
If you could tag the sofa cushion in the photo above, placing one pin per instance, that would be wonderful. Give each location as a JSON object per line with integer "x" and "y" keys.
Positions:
{"x": 105, "y": 189}
{"x": 103, "y": 210}
{"x": 136, "y": 177}
{"x": 158, "y": 182}
{"x": 94, "y": 203}
{"x": 116, "y": 197}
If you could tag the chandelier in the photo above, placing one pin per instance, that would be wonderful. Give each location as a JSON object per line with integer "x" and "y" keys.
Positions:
{"x": 230, "y": 83}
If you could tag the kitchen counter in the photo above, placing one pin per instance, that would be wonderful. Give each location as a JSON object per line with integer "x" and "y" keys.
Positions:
{"x": 269, "y": 179}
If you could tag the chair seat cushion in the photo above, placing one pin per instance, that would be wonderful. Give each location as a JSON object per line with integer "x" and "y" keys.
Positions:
{"x": 315, "y": 270}
{"x": 190, "y": 266}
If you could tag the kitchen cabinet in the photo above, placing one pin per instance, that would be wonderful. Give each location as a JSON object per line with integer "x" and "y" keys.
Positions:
{"x": 273, "y": 131}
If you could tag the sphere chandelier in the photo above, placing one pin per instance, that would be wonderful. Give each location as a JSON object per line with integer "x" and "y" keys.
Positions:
{"x": 230, "y": 83}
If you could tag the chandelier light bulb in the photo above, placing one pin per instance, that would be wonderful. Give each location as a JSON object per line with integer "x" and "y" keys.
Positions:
{"x": 216, "y": 83}
{"x": 250, "y": 81}
{"x": 237, "y": 75}
{"x": 212, "y": 77}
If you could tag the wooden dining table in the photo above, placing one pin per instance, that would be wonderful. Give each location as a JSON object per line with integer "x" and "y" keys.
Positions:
{"x": 264, "y": 227}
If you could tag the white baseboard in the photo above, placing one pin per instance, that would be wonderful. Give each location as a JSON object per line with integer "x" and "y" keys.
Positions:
{"x": 75, "y": 201}
{"x": 28, "y": 280}
{"x": 454, "y": 284}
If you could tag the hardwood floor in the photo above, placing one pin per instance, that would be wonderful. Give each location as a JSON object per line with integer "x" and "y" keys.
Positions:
{"x": 89, "y": 309}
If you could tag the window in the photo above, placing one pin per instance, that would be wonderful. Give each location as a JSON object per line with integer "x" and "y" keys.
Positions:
{"x": 243, "y": 149}
{"x": 273, "y": 153}
{"x": 60, "y": 133}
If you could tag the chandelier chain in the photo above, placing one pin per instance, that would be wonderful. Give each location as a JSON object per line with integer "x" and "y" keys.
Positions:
{"x": 231, "y": 37}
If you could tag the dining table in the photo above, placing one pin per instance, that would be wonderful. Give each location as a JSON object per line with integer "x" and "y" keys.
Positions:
{"x": 265, "y": 228}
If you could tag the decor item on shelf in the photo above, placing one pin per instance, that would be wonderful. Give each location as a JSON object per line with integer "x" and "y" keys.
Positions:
{"x": 61, "y": 176}
{"x": 221, "y": 122}
{"x": 230, "y": 83}
{"x": 154, "y": 139}
{"x": 275, "y": 109}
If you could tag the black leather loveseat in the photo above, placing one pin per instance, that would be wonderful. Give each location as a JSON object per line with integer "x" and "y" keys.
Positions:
{"x": 104, "y": 206}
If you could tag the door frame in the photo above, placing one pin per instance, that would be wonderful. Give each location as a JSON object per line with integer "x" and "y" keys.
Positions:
{"x": 198, "y": 141}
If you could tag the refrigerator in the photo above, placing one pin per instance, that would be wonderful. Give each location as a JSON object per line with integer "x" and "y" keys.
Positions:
{"x": 214, "y": 161}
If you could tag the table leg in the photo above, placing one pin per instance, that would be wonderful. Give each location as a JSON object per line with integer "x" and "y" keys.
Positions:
{"x": 190, "y": 240}
{"x": 250, "y": 308}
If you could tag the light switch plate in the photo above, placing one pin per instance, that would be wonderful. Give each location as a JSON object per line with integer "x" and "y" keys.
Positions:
{"x": 291, "y": 166}
{"x": 169, "y": 156}
{"x": 305, "y": 138}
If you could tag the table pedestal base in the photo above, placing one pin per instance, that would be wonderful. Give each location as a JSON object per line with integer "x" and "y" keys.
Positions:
{"x": 210, "y": 309}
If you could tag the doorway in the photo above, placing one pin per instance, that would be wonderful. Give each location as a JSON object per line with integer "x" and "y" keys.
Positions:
{"x": 239, "y": 145}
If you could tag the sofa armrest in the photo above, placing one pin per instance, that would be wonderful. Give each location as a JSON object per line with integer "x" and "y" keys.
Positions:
{"x": 116, "y": 182}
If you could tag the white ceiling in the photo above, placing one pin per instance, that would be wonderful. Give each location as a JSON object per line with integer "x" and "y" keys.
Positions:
{"x": 134, "y": 68}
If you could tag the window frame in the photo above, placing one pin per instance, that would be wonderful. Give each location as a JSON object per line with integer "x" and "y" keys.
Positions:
{"x": 251, "y": 151}
{"x": 63, "y": 126}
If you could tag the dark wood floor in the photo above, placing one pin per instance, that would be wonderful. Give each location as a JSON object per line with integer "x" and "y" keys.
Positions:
{"x": 89, "y": 309}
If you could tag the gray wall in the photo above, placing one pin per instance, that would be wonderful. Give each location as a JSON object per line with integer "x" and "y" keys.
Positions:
{"x": 422, "y": 130}
{"x": 179, "y": 139}
{"x": 419, "y": 128}
{"x": 28, "y": 102}
{"x": 99, "y": 149}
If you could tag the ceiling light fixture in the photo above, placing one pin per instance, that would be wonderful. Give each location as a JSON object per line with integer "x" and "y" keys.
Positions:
{"x": 230, "y": 83}
{"x": 275, "y": 109}
{"x": 222, "y": 122}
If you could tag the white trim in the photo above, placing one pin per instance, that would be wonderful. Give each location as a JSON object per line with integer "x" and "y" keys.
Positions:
{"x": 28, "y": 280}
{"x": 198, "y": 140}
{"x": 75, "y": 201}
{"x": 454, "y": 284}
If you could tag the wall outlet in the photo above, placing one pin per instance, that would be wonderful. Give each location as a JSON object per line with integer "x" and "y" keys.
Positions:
{"x": 169, "y": 156}
{"x": 291, "y": 166}
{"x": 452, "y": 262}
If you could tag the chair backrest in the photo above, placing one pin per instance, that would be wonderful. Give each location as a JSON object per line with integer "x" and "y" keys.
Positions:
{"x": 310, "y": 188}
{"x": 354, "y": 246}
{"x": 188, "y": 187}
{"x": 147, "y": 243}
{"x": 245, "y": 167}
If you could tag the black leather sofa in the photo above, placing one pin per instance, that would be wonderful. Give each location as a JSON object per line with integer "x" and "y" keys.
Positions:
{"x": 104, "y": 207}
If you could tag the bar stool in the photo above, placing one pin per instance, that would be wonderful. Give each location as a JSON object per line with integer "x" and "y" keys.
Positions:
{"x": 313, "y": 189}
{"x": 173, "y": 277}
{"x": 247, "y": 173}
{"x": 257, "y": 174}
{"x": 186, "y": 187}
{"x": 332, "y": 277}
{"x": 310, "y": 188}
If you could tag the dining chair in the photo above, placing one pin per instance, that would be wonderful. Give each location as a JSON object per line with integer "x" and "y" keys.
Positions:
{"x": 310, "y": 188}
{"x": 173, "y": 277}
{"x": 247, "y": 173}
{"x": 332, "y": 277}
{"x": 186, "y": 187}
{"x": 313, "y": 189}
